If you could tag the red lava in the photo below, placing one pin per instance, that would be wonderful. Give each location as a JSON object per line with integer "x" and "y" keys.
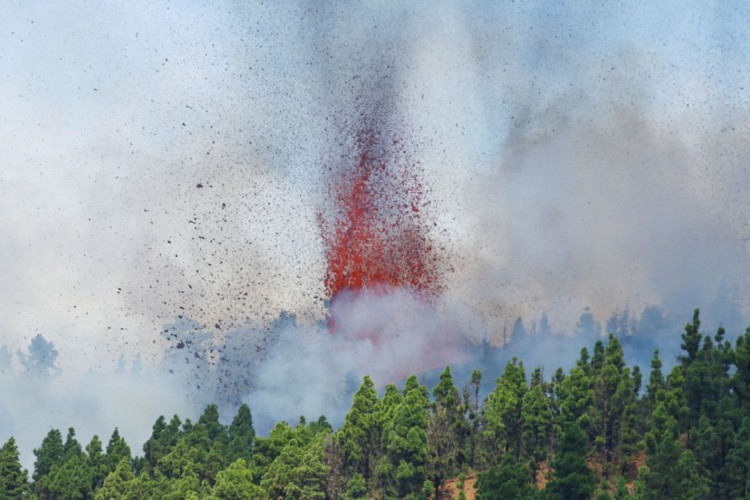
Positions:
{"x": 378, "y": 239}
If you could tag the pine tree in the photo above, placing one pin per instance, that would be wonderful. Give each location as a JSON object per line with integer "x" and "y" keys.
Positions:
{"x": 266, "y": 449}
{"x": 236, "y": 483}
{"x": 572, "y": 478}
{"x": 71, "y": 447}
{"x": 537, "y": 420}
{"x": 14, "y": 479}
{"x": 740, "y": 381}
{"x": 688, "y": 481}
{"x": 73, "y": 479}
{"x": 356, "y": 487}
{"x": 509, "y": 480}
{"x": 613, "y": 393}
{"x": 447, "y": 431}
{"x": 298, "y": 471}
{"x": 632, "y": 426}
{"x": 117, "y": 449}
{"x": 502, "y": 411}
{"x": 361, "y": 433}
{"x": 174, "y": 464}
{"x": 405, "y": 439}
{"x": 655, "y": 381}
{"x": 207, "y": 441}
{"x": 672, "y": 471}
{"x": 163, "y": 439}
{"x": 737, "y": 471}
{"x": 691, "y": 340}
{"x": 241, "y": 434}
{"x": 48, "y": 454}
{"x": 710, "y": 445}
{"x": 187, "y": 486}
{"x": 97, "y": 462}
{"x": 574, "y": 398}
{"x": 208, "y": 423}
{"x": 472, "y": 403}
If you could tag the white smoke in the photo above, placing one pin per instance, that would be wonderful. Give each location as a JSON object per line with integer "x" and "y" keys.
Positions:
{"x": 312, "y": 370}
{"x": 94, "y": 403}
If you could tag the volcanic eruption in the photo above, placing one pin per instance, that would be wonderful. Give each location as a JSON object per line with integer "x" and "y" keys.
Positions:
{"x": 378, "y": 238}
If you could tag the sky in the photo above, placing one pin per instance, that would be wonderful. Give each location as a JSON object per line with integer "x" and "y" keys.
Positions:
{"x": 170, "y": 158}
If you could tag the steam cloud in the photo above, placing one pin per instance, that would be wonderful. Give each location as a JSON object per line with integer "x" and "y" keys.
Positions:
{"x": 164, "y": 160}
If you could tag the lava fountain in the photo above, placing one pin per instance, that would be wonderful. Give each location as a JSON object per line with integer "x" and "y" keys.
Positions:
{"x": 378, "y": 241}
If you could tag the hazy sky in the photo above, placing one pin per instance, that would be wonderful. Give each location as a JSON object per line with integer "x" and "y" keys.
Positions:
{"x": 162, "y": 158}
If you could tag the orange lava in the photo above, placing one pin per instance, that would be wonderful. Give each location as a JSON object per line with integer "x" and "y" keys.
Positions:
{"x": 378, "y": 237}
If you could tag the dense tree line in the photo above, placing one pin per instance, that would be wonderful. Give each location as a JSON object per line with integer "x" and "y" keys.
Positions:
{"x": 595, "y": 431}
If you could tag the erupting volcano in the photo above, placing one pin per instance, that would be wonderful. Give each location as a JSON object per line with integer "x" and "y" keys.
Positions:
{"x": 377, "y": 239}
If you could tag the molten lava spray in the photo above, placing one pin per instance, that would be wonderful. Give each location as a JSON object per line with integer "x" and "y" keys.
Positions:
{"x": 378, "y": 239}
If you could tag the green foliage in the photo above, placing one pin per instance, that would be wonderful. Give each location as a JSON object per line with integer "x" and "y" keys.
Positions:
{"x": 537, "y": 419}
{"x": 572, "y": 477}
{"x": 621, "y": 489}
{"x": 691, "y": 340}
{"x": 361, "y": 433}
{"x": 737, "y": 470}
{"x": 236, "y": 482}
{"x": 117, "y": 449}
{"x": 447, "y": 431}
{"x": 71, "y": 447}
{"x": 502, "y": 411}
{"x": 472, "y": 404}
{"x": 241, "y": 435}
{"x": 356, "y": 487}
{"x": 163, "y": 438}
{"x": 575, "y": 397}
{"x": 117, "y": 483}
{"x": 602, "y": 493}
{"x": 297, "y": 472}
{"x": 70, "y": 475}
{"x": 14, "y": 479}
{"x": 72, "y": 479}
{"x": 176, "y": 462}
{"x": 509, "y": 480}
{"x": 405, "y": 439}
{"x": 97, "y": 463}
{"x": 48, "y": 454}
{"x": 268, "y": 448}
{"x": 187, "y": 486}
{"x": 741, "y": 378}
{"x": 612, "y": 421}
{"x": 207, "y": 442}
{"x": 428, "y": 489}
